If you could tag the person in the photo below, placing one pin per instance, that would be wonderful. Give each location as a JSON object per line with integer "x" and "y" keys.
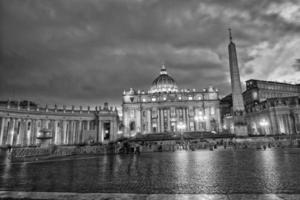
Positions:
{"x": 9, "y": 148}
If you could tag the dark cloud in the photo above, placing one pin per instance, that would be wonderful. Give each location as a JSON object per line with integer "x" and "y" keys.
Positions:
{"x": 88, "y": 52}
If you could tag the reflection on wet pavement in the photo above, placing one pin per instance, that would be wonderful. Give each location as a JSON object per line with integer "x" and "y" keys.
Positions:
{"x": 199, "y": 172}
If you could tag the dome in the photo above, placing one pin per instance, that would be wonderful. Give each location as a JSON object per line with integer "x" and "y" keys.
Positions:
{"x": 163, "y": 83}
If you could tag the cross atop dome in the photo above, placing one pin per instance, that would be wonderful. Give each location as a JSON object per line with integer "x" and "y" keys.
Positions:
{"x": 163, "y": 69}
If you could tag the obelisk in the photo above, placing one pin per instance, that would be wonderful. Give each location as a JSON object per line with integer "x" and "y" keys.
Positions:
{"x": 238, "y": 108}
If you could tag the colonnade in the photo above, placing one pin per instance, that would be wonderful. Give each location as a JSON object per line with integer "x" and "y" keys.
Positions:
{"x": 23, "y": 132}
{"x": 276, "y": 123}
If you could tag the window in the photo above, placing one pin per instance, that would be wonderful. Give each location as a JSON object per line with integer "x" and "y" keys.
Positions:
{"x": 132, "y": 126}
{"x": 154, "y": 128}
{"x": 212, "y": 110}
{"x": 28, "y": 126}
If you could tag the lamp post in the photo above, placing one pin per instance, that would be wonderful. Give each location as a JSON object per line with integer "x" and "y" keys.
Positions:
{"x": 181, "y": 127}
{"x": 263, "y": 123}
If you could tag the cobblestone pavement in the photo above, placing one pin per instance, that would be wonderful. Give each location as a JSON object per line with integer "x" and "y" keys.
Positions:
{"x": 125, "y": 196}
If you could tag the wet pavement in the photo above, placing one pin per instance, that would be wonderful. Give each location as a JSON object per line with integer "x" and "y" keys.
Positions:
{"x": 219, "y": 173}
{"x": 124, "y": 196}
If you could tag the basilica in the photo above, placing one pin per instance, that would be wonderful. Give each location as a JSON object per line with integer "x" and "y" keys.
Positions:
{"x": 167, "y": 108}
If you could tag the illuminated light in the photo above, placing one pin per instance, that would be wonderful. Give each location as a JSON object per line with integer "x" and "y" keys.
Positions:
{"x": 144, "y": 100}
{"x": 190, "y": 98}
{"x": 120, "y": 132}
{"x": 165, "y": 98}
{"x": 263, "y": 123}
{"x": 181, "y": 126}
{"x": 200, "y": 117}
{"x": 255, "y": 95}
{"x": 179, "y": 98}
{"x": 153, "y": 99}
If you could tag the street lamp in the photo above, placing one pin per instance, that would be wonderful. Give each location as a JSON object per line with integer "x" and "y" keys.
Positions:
{"x": 264, "y": 123}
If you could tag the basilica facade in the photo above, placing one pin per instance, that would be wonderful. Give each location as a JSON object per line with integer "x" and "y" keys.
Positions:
{"x": 167, "y": 108}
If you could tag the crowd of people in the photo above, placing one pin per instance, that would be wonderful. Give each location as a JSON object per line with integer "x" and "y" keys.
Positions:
{"x": 136, "y": 147}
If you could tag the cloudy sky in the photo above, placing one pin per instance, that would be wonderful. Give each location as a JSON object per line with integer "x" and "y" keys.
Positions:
{"x": 89, "y": 51}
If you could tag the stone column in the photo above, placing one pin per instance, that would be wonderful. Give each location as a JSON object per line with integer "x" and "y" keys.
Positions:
{"x": 218, "y": 114}
{"x": 72, "y": 132}
{"x": 87, "y": 125}
{"x": 11, "y": 132}
{"x": 184, "y": 118}
{"x": 80, "y": 139}
{"x": 169, "y": 119}
{"x": 32, "y": 132}
{"x": 60, "y": 132}
{"x": 19, "y": 135}
{"x": 15, "y": 133}
{"x": 36, "y": 132}
{"x": 158, "y": 120}
{"x": 64, "y": 132}
{"x": 196, "y": 122}
{"x": 6, "y": 131}
{"x": 52, "y": 127}
{"x": 67, "y": 133}
{"x": 22, "y": 132}
{"x": 111, "y": 136}
{"x": 100, "y": 131}
{"x": 69, "y": 127}
{"x": 3, "y": 123}
{"x": 27, "y": 132}
{"x": 285, "y": 125}
{"x": 56, "y": 132}
{"x": 187, "y": 119}
{"x": 162, "y": 128}
{"x": 207, "y": 123}
{"x": 76, "y": 132}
